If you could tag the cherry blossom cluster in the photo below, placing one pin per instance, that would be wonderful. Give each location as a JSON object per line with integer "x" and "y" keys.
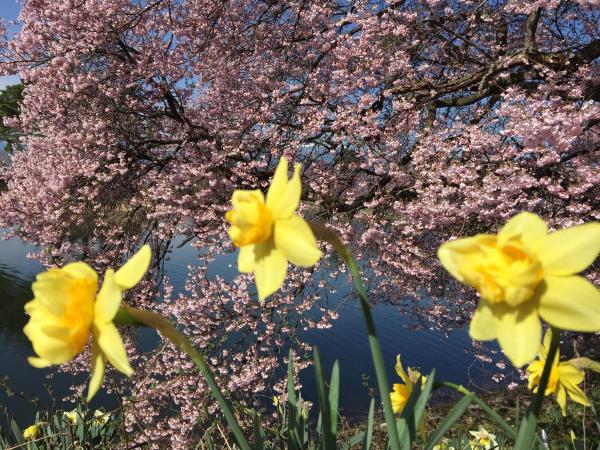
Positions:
{"x": 415, "y": 122}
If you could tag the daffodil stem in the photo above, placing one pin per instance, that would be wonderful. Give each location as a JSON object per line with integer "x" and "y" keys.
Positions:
{"x": 383, "y": 385}
{"x": 132, "y": 316}
{"x": 526, "y": 433}
{"x": 483, "y": 405}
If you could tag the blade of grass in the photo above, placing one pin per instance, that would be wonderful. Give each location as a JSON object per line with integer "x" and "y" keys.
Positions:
{"x": 328, "y": 439}
{"x": 483, "y": 405}
{"x": 455, "y": 414}
{"x": 369, "y": 434}
{"x": 334, "y": 396}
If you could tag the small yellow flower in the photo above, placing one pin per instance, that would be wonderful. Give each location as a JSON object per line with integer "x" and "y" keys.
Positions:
{"x": 401, "y": 393}
{"x": 443, "y": 445}
{"x": 524, "y": 273}
{"x": 65, "y": 311}
{"x": 30, "y": 432}
{"x": 72, "y": 416}
{"x": 269, "y": 233}
{"x": 100, "y": 417}
{"x": 564, "y": 377}
{"x": 277, "y": 404}
{"x": 483, "y": 439}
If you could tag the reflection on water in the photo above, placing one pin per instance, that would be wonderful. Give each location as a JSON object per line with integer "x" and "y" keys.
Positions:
{"x": 16, "y": 274}
{"x": 345, "y": 341}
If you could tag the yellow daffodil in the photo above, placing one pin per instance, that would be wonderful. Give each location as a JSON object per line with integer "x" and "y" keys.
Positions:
{"x": 401, "y": 392}
{"x": 277, "y": 404}
{"x": 269, "y": 233}
{"x": 72, "y": 416}
{"x": 443, "y": 445}
{"x": 30, "y": 432}
{"x": 66, "y": 311}
{"x": 564, "y": 377}
{"x": 483, "y": 439}
{"x": 524, "y": 273}
{"x": 100, "y": 417}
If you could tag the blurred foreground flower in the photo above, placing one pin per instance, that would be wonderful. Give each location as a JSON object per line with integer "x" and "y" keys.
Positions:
{"x": 100, "y": 417}
{"x": 483, "y": 439}
{"x": 401, "y": 392}
{"x": 564, "y": 377}
{"x": 65, "y": 311}
{"x": 72, "y": 416}
{"x": 269, "y": 233}
{"x": 30, "y": 432}
{"x": 524, "y": 273}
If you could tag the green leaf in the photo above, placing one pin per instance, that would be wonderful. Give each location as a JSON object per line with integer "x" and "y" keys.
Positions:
{"x": 354, "y": 440}
{"x": 369, "y": 434}
{"x": 334, "y": 396}
{"x": 259, "y": 434}
{"x": 328, "y": 438}
{"x": 16, "y": 432}
{"x": 486, "y": 408}
{"x": 455, "y": 414}
{"x": 294, "y": 440}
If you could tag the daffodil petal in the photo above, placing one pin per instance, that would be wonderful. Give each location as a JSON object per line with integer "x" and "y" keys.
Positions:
{"x": 110, "y": 342}
{"x": 561, "y": 398}
{"x": 278, "y": 184}
{"x": 458, "y": 256}
{"x": 399, "y": 396}
{"x": 570, "y": 303}
{"x": 295, "y": 238}
{"x": 246, "y": 259}
{"x": 400, "y": 370}
{"x": 570, "y": 374}
{"x": 543, "y": 353}
{"x": 133, "y": 270}
{"x": 51, "y": 291}
{"x": 569, "y": 251}
{"x": 81, "y": 270}
{"x": 528, "y": 226}
{"x": 287, "y": 202}
{"x": 49, "y": 349}
{"x": 570, "y": 377}
{"x": 483, "y": 323}
{"x": 270, "y": 270}
{"x": 108, "y": 300}
{"x": 38, "y": 363}
{"x": 519, "y": 333}
{"x": 97, "y": 372}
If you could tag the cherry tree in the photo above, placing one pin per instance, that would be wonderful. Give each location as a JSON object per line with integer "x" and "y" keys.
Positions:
{"x": 415, "y": 122}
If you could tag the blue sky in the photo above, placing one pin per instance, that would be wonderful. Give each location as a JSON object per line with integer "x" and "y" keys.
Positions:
{"x": 9, "y": 10}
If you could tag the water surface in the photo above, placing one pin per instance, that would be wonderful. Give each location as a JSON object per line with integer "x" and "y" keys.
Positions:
{"x": 345, "y": 341}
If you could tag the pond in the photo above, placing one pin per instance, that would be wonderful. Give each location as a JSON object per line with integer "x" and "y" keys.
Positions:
{"x": 346, "y": 341}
